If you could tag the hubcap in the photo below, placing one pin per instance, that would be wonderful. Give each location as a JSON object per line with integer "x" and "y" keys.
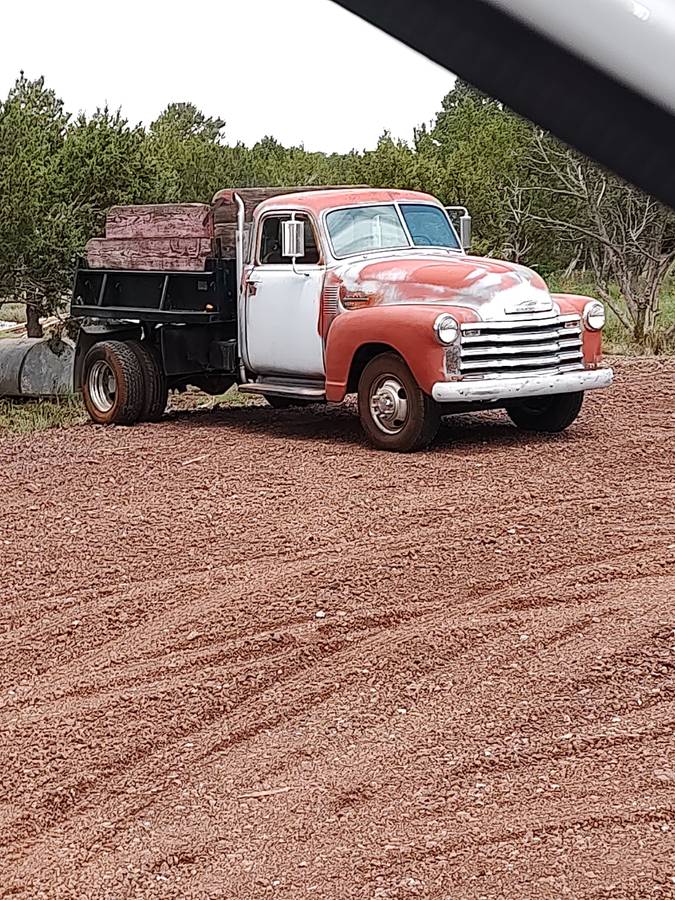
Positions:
{"x": 102, "y": 386}
{"x": 389, "y": 404}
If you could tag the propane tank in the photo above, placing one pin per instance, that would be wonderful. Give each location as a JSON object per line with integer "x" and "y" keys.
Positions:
{"x": 35, "y": 367}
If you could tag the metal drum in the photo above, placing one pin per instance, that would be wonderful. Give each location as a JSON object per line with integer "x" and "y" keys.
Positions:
{"x": 34, "y": 367}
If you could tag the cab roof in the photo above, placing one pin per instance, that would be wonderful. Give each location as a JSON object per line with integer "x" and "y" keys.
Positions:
{"x": 318, "y": 201}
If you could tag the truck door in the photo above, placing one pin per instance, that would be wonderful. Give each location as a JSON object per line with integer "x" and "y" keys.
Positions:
{"x": 283, "y": 305}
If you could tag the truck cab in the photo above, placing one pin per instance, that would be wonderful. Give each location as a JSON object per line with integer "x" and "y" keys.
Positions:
{"x": 327, "y": 293}
{"x": 373, "y": 292}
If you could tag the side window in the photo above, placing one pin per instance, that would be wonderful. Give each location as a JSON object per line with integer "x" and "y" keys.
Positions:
{"x": 270, "y": 242}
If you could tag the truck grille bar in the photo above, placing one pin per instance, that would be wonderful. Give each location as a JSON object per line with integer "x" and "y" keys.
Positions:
{"x": 524, "y": 347}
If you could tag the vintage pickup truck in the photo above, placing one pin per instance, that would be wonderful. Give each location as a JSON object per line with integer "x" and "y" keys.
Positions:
{"x": 310, "y": 296}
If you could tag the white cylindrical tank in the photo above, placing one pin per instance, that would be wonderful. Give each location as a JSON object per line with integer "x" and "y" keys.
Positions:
{"x": 34, "y": 367}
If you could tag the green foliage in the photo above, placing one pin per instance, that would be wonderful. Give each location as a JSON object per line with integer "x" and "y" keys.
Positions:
{"x": 533, "y": 201}
{"x": 628, "y": 238}
{"x": 187, "y": 149}
{"x": 57, "y": 178}
{"x": 103, "y": 162}
{"x": 12, "y": 312}
{"x": 26, "y": 416}
{"x": 35, "y": 224}
{"x": 485, "y": 153}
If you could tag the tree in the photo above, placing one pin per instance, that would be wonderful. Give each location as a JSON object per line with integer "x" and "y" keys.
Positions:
{"x": 630, "y": 237}
{"x": 485, "y": 151}
{"x": 103, "y": 162}
{"x": 183, "y": 121}
{"x": 187, "y": 147}
{"x": 394, "y": 163}
{"x": 533, "y": 201}
{"x": 35, "y": 226}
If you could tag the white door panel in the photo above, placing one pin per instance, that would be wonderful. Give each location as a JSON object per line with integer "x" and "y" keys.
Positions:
{"x": 282, "y": 321}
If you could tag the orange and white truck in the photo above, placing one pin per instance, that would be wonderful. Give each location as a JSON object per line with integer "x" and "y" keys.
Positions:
{"x": 308, "y": 297}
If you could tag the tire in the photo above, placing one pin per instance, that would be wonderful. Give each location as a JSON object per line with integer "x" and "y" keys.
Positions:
{"x": 112, "y": 384}
{"x": 546, "y": 414}
{"x": 285, "y": 402}
{"x": 156, "y": 389}
{"x": 395, "y": 412}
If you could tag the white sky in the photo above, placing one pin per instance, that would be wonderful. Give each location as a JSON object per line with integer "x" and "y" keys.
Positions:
{"x": 232, "y": 58}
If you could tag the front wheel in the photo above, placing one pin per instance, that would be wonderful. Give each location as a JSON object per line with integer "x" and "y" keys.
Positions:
{"x": 395, "y": 413}
{"x": 546, "y": 414}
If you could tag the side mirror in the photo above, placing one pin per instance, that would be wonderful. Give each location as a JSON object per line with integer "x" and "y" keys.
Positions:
{"x": 292, "y": 239}
{"x": 464, "y": 225}
{"x": 465, "y": 231}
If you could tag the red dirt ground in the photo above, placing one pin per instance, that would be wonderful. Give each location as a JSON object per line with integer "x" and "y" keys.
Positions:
{"x": 242, "y": 656}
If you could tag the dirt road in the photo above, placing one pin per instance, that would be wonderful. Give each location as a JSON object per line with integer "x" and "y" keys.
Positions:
{"x": 242, "y": 656}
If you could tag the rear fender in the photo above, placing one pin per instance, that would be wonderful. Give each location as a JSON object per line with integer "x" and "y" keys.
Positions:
{"x": 407, "y": 329}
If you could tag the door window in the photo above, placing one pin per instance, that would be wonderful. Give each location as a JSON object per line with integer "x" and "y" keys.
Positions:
{"x": 270, "y": 242}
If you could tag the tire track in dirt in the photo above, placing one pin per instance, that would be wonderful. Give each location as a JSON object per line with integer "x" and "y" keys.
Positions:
{"x": 486, "y": 708}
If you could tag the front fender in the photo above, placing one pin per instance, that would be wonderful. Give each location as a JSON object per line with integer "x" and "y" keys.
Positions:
{"x": 405, "y": 328}
{"x": 592, "y": 340}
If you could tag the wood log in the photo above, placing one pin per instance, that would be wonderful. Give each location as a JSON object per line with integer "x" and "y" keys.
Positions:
{"x": 225, "y": 240}
{"x": 165, "y": 220}
{"x": 184, "y": 254}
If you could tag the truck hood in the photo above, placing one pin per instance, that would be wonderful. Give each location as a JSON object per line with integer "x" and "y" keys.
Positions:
{"x": 491, "y": 288}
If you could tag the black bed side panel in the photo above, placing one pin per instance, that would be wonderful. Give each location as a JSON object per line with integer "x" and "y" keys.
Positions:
{"x": 176, "y": 297}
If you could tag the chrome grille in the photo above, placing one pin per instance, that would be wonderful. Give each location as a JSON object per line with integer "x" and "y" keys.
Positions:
{"x": 527, "y": 346}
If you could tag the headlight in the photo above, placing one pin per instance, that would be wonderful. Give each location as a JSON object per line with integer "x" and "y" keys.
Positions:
{"x": 447, "y": 329}
{"x": 594, "y": 316}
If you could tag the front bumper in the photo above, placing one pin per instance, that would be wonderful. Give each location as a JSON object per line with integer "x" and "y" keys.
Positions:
{"x": 488, "y": 389}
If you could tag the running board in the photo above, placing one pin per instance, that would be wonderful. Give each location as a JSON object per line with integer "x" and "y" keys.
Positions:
{"x": 279, "y": 389}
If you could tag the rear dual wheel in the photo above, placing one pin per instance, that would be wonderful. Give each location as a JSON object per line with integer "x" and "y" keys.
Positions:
{"x": 123, "y": 383}
{"x": 156, "y": 387}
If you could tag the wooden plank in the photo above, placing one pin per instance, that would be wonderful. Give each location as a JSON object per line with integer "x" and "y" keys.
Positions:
{"x": 163, "y": 254}
{"x": 165, "y": 220}
{"x": 179, "y": 236}
{"x": 225, "y": 240}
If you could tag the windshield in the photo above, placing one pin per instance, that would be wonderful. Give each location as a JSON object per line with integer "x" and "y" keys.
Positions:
{"x": 363, "y": 228}
{"x": 360, "y": 229}
{"x": 429, "y": 226}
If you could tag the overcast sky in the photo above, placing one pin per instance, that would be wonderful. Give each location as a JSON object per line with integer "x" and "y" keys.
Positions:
{"x": 305, "y": 71}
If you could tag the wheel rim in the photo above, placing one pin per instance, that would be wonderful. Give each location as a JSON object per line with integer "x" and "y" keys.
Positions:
{"x": 388, "y": 403}
{"x": 102, "y": 386}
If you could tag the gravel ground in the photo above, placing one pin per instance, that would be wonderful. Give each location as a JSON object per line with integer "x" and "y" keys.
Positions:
{"x": 243, "y": 656}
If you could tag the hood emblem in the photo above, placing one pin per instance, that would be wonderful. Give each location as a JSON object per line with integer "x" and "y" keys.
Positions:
{"x": 530, "y": 304}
